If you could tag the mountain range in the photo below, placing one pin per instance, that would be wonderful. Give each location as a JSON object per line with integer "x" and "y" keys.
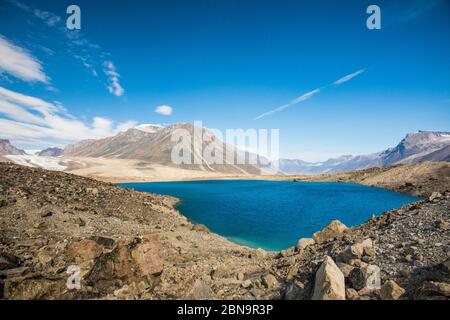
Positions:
{"x": 414, "y": 148}
{"x": 153, "y": 144}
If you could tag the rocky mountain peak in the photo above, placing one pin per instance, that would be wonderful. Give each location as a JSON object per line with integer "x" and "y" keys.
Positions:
{"x": 50, "y": 152}
{"x": 6, "y": 148}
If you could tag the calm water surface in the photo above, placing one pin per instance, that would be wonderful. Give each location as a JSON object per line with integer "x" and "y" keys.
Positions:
{"x": 273, "y": 215}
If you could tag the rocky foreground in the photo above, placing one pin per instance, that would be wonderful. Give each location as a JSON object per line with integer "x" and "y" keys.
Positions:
{"x": 133, "y": 245}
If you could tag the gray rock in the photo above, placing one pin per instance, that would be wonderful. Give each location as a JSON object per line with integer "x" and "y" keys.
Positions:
{"x": 361, "y": 277}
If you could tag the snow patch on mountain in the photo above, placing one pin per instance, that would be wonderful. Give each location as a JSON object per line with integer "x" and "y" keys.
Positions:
{"x": 49, "y": 163}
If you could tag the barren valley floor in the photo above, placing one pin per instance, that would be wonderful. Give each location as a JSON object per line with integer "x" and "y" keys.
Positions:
{"x": 133, "y": 245}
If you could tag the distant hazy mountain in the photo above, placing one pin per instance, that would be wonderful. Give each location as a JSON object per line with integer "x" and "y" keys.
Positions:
{"x": 50, "y": 152}
{"x": 414, "y": 148}
{"x": 6, "y": 148}
{"x": 153, "y": 144}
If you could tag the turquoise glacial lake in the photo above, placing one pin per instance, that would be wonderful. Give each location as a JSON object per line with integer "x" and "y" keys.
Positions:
{"x": 273, "y": 215}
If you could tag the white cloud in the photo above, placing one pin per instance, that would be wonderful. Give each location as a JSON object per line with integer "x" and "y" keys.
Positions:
{"x": 300, "y": 99}
{"x": 164, "y": 110}
{"x": 31, "y": 119}
{"x": 114, "y": 86}
{"x": 19, "y": 63}
{"x": 349, "y": 77}
{"x": 39, "y": 104}
{"x": 91, "y": 55}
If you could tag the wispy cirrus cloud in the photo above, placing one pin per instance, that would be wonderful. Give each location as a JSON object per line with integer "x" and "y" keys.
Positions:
{"x": 17, "y": 62}
{"x": 349, "y": 77}
{"x": 114, "y": 86}
{"x": 310, "y": 94}
{"x": 90, "y": 55}
{"x": 30, "y": 119}
{"x": 298, "y": 100}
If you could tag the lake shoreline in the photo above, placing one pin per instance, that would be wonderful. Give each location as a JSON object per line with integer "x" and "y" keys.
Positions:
{"x": 407, "y": 179}
{"x": 265, "y": 206}
{"x": 61, "y": 219}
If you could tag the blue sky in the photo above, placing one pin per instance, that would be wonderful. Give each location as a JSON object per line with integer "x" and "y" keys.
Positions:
{"x": 226, "y": 63}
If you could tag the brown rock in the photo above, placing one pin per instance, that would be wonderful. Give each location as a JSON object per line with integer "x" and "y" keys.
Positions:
{"x": 269, "y": 281}
{"x": 103, "y": 241}
{"x": 34, "y": 289}
{"x": 148, "y": 256}
{"x": 351, "y": 294}
{"x": 335, "y": 230}
{"x": 391, "y": 291}
{"x": 84, "y": 250}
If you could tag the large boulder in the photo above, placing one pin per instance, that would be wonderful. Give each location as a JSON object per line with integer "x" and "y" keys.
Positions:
{"x": 84, "y": 250}
{"x": 329, "y": 282}
{"x": 148, "y": 256}
{"x": 335, "y": 230}
{"x": 141, "y": 260}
